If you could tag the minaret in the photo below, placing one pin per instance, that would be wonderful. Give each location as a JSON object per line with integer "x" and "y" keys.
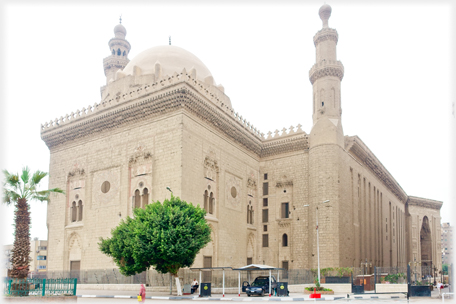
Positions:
{"x": 326, "y": 151}
{"x": 325, "y": 76}
{"x": 119, "y": 48}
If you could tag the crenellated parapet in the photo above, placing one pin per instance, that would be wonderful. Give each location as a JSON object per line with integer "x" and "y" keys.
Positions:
{"x": 169, "y": 93}
{"x": 326, "y": 68}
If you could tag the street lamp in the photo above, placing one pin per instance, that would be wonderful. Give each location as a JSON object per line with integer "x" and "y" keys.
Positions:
{"x": 169, "y": 189}
{"x": 318, "y": 245}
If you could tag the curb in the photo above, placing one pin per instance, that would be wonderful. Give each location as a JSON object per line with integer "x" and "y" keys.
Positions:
{"x": 237, "y": 299}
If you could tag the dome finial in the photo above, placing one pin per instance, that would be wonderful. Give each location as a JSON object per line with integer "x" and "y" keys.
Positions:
{"x": 120, "y": 19}
{"x": 325, "y": 13}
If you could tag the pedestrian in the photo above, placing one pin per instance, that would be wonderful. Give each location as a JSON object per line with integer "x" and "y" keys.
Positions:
{"x": 142, "y": 293}
{"x": 194, "y": 285}
{"x": 440, "y": 287}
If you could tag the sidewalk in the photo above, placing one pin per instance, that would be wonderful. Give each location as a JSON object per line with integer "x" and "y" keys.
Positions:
{"x": 229, "y": 297}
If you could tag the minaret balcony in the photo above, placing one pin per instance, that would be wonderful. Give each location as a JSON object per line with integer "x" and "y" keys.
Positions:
{"x": 116, "y": 61}
{"x": 326, "y": 68}
{"x": 325, "y": 34}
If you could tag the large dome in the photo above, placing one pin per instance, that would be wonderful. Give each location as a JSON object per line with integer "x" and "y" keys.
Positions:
{"x": 171, "y": 58}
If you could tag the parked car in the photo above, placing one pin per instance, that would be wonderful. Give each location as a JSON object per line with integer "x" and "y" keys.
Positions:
{"x": 259, "y": 286}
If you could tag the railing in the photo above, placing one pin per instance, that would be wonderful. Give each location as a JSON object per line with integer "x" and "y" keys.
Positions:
{"x": 39, "y": 287}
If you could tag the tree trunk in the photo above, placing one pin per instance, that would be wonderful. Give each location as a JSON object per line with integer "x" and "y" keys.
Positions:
{"x": 21, "y": 246}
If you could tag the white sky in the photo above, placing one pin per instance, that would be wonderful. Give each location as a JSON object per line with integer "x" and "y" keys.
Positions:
{"x": 396, "y": 91}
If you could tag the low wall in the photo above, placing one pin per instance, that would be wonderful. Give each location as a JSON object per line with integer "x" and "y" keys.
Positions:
{"x": 385, "y": 288}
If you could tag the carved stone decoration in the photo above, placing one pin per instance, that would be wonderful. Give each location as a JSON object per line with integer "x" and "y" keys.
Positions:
{"x": 211, "y": 167}
{"x": 77, "y": 170}
{"x": 284, "y": 182}
{"x": 100, "y": 199}
{"x": 335, "y": 71}
{"x": 326, "y": 34}
{"x": 233, "y": 192}
{"x": 251, "y": 184}
{"x": 284, "y": 224}
{"x": 139, "y": 155}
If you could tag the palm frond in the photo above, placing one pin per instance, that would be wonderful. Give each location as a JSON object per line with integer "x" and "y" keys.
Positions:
{"x": 25, "y": 175}
{"x": 11, "y": 180}
{"x": 37, "y": 177}
{"x": 41, "y": 198}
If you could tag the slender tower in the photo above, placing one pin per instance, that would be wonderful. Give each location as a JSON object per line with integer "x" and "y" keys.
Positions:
{"x": 119, "y": 48}
{"x": 325, "y": 147}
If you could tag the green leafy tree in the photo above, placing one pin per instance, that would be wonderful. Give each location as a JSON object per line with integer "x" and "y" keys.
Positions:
{"x": 445, "y": 269}
{"x": 165, "y": 236}
{"x": 18, "y": 190}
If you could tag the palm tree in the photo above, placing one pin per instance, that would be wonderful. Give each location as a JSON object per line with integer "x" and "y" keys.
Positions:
{"x": 18, "y": 190}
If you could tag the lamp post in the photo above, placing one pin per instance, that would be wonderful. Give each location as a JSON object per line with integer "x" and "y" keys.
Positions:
{"x": 318, "y": 245}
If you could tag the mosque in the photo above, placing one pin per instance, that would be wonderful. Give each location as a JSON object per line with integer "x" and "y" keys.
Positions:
{"x": 163, "y": 121}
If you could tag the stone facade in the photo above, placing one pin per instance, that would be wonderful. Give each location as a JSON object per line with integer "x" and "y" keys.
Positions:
{"x": 165, "y": 123}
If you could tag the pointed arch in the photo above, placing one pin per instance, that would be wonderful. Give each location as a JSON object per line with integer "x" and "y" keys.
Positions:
{"x": 426, "y": 243}
{"x": 206, "y": 197}
{"x": 284, "y": 240}
{"x": 145, "y": 199}
{"x": 80, "y": 210}
{"x": 322, "y": 97}
{"x": 73, "y": 212}
{"x": 137, "y": 199}
{"x": 119, "y": 52}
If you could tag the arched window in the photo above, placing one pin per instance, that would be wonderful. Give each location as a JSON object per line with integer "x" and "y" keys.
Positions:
{"x": 251, "y": 215}
{"x": 205, "y": 200}
{"x": 248, "y": 214}
{"x": 119, "y": 52}
{"x": 211, "y": 203}
{"x": 124, "y": 53}
{"x": 80, "y": 211}
{"x": 284, "y": 240}
{"x": 137, "y": 199}
{"x": 145, "y": 197}
{"x": 113, "y": 51}
{"x": 322, "y": 97}
{"x": 73, "y": 212}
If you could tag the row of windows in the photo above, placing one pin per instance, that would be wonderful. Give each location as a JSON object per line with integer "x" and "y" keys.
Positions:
{"x": 119, "y": 52}
{"x": 76, "y": 212}
{"x": 141, "y": 203}
{"x": 41, "y": 257}
{"x": 41, "y": 267}
{"x": 266, "y": 240}
{"x": 42, "y": 248}
{"x": 209, "y": 202}
{"x": 285, "y": 212}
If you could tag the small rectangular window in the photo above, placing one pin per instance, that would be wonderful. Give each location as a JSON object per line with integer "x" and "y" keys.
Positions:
{"x": 265, "y": 202}
{"x": 249, "y": 261}
{"x": 265, "y": 188}
{"x": 265, "y": 215}
{"x": 265, "y": 240}
{"x": 265, "y": 228}
{"x": 265, "y": 176}
{"x": 285, "y": 210}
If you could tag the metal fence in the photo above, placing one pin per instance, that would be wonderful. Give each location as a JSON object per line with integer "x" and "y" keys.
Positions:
{"x": 39, "y": 287}
{"x": 391, "y": 275}
{"x": 215, "y": 277}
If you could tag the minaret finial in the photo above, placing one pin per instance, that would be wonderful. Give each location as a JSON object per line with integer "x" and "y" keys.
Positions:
{"x": 120, "y": 19}
{"x": 325, "y": 13}
{"x": 169, "y": 40}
